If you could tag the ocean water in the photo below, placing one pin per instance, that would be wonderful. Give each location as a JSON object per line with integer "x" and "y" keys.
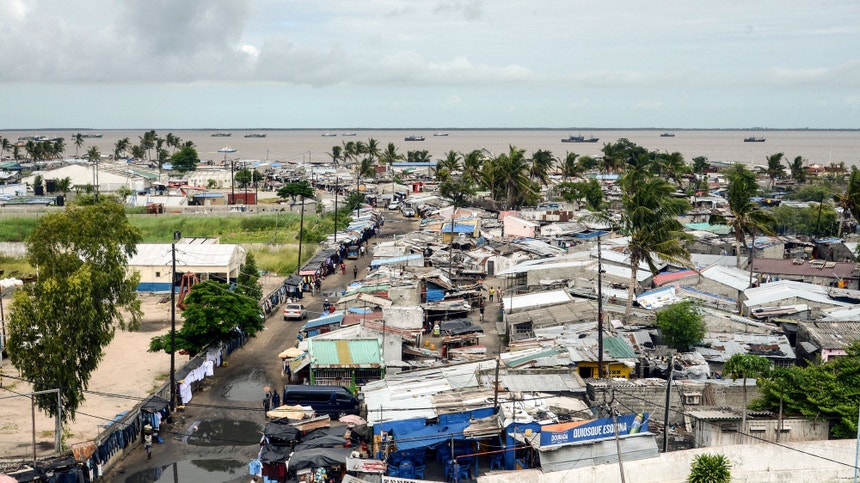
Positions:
{"x": 821, "y": 147}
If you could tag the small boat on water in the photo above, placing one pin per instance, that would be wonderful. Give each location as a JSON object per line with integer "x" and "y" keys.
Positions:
{"x": 580, "y": 139}
{"x": 413, "y": 138}
{"x": 667, "y": 135}
{"x": 329, "y": 134}
{"x": 440, "y": 134}
{"x": 348, "y": 134}
{"x": 92, "y": 136}
{"x": 221, "y": 134}
{"x": 256, "y": 135}
{"x": 227, "y": 149}
{"x": 753, "y": 139}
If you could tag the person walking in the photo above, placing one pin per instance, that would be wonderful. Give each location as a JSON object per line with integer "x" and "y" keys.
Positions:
{"x": 492, "y": 292}
{"x": 147, "y": 441}
{"x": 276, "y": 400}
{"x": 481, "y": 309}
{"x": 342, "y": 268}
{"x": 354, "y": 272}
{"x": 267, "y": 400}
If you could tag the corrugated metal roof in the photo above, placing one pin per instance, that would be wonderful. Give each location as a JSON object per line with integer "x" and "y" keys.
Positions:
{"x": 334, "y": 318}
{"x": 540, "y": 299}
{"x": 354, "y": 352}
{"x": 187, "y": 255}
{"x": 772, "y": 292}
{"x": 618, "y": 348}
{"x": 542, "y": 383}
{"x": 733, "y": 277}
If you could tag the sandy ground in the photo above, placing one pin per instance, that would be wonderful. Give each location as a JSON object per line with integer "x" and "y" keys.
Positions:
{"x": 126, "y": 375}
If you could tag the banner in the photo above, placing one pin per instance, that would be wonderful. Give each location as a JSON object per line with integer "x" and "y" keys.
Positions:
{"x": 592, "y": 429}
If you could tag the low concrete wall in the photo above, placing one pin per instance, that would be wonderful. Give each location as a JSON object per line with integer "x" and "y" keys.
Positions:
{"x": 760, "y": 463}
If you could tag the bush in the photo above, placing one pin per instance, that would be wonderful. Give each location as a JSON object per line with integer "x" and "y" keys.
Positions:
{"x": 710, "y": 468}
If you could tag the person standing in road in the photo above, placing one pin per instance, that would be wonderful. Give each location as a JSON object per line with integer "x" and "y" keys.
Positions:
{"x": 436, "y": 329}
{"x": 354, "y": 272}
{"x": 147, "y": 441}
{"x": 481, "y": 309}
{"x": 492, "y": 292}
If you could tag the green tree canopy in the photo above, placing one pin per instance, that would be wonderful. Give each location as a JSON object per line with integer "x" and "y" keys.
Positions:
{"x": 212, "y": 312}
{"x": 59, "y": 326}
{"x": 746, "y": 366}
{"x": 824, "y": 390}
{"x": 295, "y": 189}
{"x": 681, "y": 325}
{"x": 185, "y": 160}
{"x": 248, "y": 281}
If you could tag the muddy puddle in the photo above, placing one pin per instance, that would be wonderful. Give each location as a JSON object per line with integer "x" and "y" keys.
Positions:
{"x": 224, "y": 432}
{"x": 191, "y": 471}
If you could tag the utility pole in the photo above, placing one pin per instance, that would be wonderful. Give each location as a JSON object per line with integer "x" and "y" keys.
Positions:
{"x": 232, "y": 181}
{"x": 600, "y": 310}
{"x": 176, "y": 237}
{"x": 336, "y": 189}
{"x": 666, "y": 409}
{"x": 301, "y": 235}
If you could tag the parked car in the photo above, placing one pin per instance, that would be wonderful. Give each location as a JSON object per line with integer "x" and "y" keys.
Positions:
{"x": 408, "y": 212}
{"x": 394, "y": 205}
{"x": 295, "y": 311}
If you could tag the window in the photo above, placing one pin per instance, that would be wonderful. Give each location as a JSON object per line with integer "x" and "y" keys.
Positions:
{"x": 692, "y": 398}
{"x": 157, "y": 274}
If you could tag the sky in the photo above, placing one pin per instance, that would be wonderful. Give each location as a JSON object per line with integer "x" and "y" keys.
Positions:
{"x": 185, "y": 64}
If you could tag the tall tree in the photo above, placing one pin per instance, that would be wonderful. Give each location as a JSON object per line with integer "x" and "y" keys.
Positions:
{"x": 512, "y": 173}
{"x": 775, "y": 168}
{"x": 682, "y": 325}
{"x": 336, "y": 154}
{"x": 59, "y": 325}
{"x": 649, "y": 216}
{"x": 79, "y": 142}
{"x": 212, "y": 313}
{"x": 185, "y": 160}
{"x": 849, "y": 201}
{"x": 448, "y": 166}
{"x": 747, "y": 217}
{"x": 701, "y": 164}
{"x": 542, "y": 163}
{"x": 746, "y": 366}
{"x": 248, "y": 281}
{"x": 120, "y": 148}
{"x": 390, "y": 155}
{"x": 798, "y": 169}
{"x": 472, "y": 162}
{"x": 570, "y": 167}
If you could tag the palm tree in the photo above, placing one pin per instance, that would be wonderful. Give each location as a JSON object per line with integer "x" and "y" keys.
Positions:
{"x": 32, "y": 149}
{"x": 58, "y": 147}
{"x": 701, "y": 164}
{"x": 673, "y": 167}
{"x": 747, "y": 216}
{"x": 63, "y": 185}
{"x": 5, "y": 145}
{"x": 448, "y": 166}
{"x": 350, "y": 151}
{"x": 94, "y": 156}
{"x": 512, "y": 174}
{"x": 570, "y": 167}
{"x": 120, "y": 148}
{"x": 650, "y": 218}
{"x": 79, "y": 142}
{"x": 472, "y": 163}
{"x": 147, "y": 142}
{"x": 746, "y": 366}
{"x": 371, "y": 149}
{"x": 849, "y": 201}
{"x": 173, "y": 141}
{"x": 542, "y": 163}
{"x": 137, "y": 152}
{"x": 775, "y": 168}
{"x": 336, "y": 154}
{"x": 390, "y": 155}
{"x": 797, "y": 169}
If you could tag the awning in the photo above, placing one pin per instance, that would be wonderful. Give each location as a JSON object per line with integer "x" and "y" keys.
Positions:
{"x": 430, "y": 436}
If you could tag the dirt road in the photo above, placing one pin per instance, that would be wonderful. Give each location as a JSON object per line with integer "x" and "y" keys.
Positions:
{"x": 216, "y": 435}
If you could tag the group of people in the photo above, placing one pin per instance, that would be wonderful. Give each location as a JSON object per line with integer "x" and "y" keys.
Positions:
{"x": 271, "y": 400}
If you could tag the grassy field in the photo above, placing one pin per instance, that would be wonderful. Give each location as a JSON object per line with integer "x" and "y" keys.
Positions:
{"x": 271, "y": 237}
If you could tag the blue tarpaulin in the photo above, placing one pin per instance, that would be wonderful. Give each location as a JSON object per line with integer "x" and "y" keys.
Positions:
{"x": 430, "y": 435}
{"x": 334, "y": 318}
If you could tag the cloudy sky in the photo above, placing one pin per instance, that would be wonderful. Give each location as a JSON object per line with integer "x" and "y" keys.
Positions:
{"x": 430, "y": 63}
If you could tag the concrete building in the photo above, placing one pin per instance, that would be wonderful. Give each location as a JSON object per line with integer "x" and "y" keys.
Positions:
{"x": 205, "y": 258}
